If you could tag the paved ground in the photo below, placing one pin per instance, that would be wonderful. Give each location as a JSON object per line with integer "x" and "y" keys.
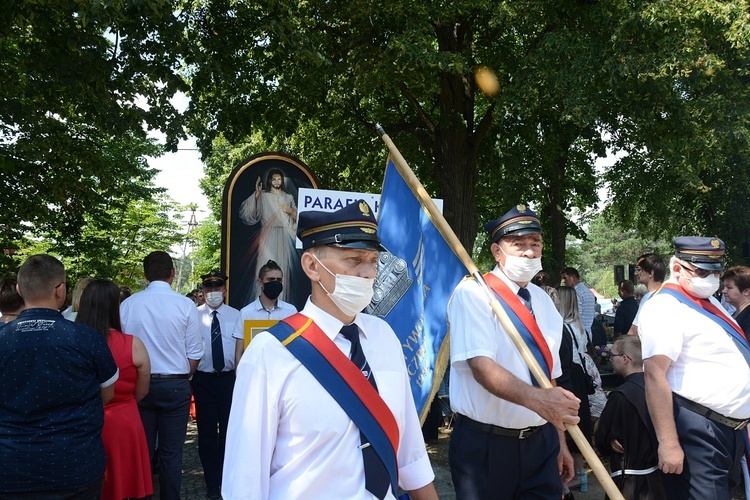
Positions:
{"x": 193, "y": 487}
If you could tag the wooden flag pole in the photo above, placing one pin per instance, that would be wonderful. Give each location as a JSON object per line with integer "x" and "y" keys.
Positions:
{"x": 450, "y": 237}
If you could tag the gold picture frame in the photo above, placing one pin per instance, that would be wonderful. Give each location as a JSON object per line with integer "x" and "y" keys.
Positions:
{"x": 254, "y": 326}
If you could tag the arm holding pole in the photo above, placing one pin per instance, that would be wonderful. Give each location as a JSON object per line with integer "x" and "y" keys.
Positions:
{"x": 450, "y": 237}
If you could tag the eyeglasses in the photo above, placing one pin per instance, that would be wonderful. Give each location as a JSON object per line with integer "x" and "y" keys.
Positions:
{"x": 613, "y": 355}
{"x": 697, "y": 271}
{"x": 58, "y": 286}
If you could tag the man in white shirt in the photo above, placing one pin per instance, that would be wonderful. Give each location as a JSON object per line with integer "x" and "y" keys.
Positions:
{"x": 290, "y": 436}
{"x": 697, "y": 369}
{"x": 213, "y": 382}
{"x": 650, "y": 270}
{"x": 586, "y": 298}
{"x": 167, "y": 323}
{"x": 509, "y": 436}
{"x": 267, "y": 306}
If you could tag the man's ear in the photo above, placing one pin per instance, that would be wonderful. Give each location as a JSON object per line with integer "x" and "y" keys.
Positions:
{"x": 496, "y": 252}
{"x": 60, "y": 293}
{"x": 310, "y": 266}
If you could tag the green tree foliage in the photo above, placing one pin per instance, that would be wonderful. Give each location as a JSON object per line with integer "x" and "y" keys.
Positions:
{"x": 207, "y": 254}
{"x": 608, "y": 245}
{"x": 315, "y": 76}
{"x": 687, "y": 137}
{"x": 80, "y": 82}
{"x": 113, "y": 246}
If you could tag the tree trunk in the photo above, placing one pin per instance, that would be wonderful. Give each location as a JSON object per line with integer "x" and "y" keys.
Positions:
{"x": 554, "y": 212}
{"x": 455, "y": 142}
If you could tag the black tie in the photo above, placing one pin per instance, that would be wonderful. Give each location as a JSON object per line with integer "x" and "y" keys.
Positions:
{"x": 217, "y": 349}
{"x": 526, "y": 296}
{"x": 377, "y": 481}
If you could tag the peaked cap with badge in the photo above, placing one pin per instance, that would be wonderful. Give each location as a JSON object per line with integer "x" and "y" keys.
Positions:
{"x": 353, "y": 226}
{"x": 518, "y": 221}
{"x": 214, "y": 279}
{"x": 703, "y": 252}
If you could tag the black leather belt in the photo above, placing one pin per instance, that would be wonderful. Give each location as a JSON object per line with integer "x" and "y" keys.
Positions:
{"x": 732, "y": 423}
{"x": 170, "y": 375}
{"x": 217, "y": 374}
{"x": 495, "y": 429}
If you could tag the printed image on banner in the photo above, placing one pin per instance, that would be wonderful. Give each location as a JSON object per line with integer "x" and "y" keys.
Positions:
{"x": 415, "y": 281}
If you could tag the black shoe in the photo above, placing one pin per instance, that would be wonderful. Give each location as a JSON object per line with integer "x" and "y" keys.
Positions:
{"x": 569, "y": 496}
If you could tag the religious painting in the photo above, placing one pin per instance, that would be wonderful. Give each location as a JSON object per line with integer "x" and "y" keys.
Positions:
{"x": 259, "y": 223}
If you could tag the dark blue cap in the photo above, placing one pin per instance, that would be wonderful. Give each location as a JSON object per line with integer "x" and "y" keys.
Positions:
{"x": 353, "y": 226}
{"x": 214, "y": 279}
{"x": 703, "y": 252}
{"x": 518, "y": 221}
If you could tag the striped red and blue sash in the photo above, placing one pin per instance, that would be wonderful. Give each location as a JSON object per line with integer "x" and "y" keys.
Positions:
{"x": 524, "y": 322}
{"x": 709, "y": 310}
{"x": 345, "y": 383}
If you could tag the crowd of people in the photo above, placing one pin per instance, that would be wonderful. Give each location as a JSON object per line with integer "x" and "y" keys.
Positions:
{"x": 96, "y": 397}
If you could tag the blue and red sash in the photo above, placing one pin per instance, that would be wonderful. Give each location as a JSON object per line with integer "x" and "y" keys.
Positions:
{"x": 345, "y": 383}
{"x": 709, "y": 310}
{"x": 524, "y": 322}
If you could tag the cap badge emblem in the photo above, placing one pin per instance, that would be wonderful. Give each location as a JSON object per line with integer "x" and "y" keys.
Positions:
{"x": 521, "y": 208}
{"x": 364, "y": 208}
{"x": 715, "y": 243}
{"x": 367, "y": 230}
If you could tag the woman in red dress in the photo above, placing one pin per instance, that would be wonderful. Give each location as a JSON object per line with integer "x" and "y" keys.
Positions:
{"x": 128, "y": 473}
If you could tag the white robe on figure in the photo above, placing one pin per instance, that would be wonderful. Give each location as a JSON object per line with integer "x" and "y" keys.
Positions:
{"x": 276, "y": 240}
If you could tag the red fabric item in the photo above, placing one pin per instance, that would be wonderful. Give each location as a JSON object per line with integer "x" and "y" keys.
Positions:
{"x": 128, "y": 473}
{"x": 511, "y": 300}
{"x": 311, "y": 332}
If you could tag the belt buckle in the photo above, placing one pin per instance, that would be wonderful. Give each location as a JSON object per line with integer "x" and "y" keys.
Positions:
{"x": 524, "y": 433}
{"x": 741, "y": 425}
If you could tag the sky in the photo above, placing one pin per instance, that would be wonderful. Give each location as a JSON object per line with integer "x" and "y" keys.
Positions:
{"x": 181, "y": 171}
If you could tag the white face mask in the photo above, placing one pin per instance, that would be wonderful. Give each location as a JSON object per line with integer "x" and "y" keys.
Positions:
{"x": 520, "y": 269}
{"x": 214, "y": 299}
{"x": 703, "y": 288}
{"x": 351, "y": 294}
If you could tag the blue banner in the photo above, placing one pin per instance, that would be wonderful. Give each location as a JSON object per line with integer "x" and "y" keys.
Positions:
{"x": 415, "y": 281}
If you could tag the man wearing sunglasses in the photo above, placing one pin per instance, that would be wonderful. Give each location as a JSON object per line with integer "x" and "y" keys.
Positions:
{"x": 697, "y": 371}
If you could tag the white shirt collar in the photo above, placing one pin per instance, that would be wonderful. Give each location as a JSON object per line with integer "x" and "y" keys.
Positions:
{"x": 329, "y": 324}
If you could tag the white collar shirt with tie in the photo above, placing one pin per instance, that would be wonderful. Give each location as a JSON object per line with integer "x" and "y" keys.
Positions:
{"x": 228, "y": 316}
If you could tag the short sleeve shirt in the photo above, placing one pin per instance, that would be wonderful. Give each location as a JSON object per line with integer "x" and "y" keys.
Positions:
{"x": 255, "y": 311}
{"x": 51, "y": 413}
{"x": 475, "y": 331}
{"x": 706, "y": 365}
